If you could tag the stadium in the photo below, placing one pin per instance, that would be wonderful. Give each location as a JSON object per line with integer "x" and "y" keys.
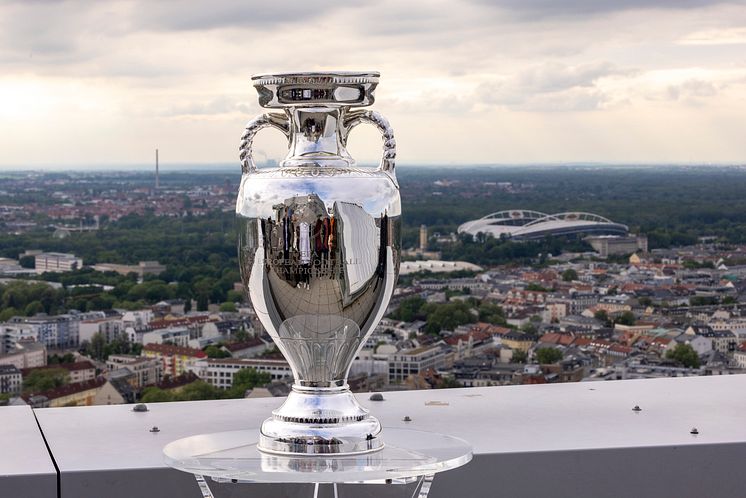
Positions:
{"x": 520, "y": 224}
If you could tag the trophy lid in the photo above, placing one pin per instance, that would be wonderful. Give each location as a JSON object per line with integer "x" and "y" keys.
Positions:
{"x": 333, "y": 88}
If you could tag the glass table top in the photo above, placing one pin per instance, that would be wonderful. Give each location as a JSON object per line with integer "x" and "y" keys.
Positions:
{"x": 233, "y": 456}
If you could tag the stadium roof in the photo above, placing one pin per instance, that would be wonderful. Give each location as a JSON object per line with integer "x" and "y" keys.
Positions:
{"x": 522, "y": 224}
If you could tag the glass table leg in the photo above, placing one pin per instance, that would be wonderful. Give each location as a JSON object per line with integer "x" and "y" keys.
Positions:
{"x": 423, "y": 489}
{"x": 317, "y": 486}
{"x": 420, "y": 491}
{"x": 203, "y": 487}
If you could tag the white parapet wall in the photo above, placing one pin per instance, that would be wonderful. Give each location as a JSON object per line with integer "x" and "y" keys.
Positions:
{"x": 562, "y": 440}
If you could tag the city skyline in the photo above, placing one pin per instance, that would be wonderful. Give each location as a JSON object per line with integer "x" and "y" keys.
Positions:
{"x": 505, "y": 82}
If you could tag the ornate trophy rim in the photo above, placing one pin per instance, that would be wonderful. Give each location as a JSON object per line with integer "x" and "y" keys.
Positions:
{"x": 319, "y": 77}
{"x": 316, "y": 88}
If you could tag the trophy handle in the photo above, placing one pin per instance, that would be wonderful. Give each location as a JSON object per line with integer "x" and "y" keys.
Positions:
{"x": 377, "y": 119}
{"x": 273, "y": 119}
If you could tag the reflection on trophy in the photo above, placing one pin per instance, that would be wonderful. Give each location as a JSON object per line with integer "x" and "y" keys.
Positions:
{"x": 319, "y": 253}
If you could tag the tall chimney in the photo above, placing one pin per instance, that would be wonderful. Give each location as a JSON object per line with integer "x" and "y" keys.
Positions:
{"x": 157, "y": 179}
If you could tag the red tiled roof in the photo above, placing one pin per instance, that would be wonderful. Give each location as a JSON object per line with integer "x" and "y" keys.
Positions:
{"x": 555, "y": 338}
{"x": 663, "y": 341}
{"x": 179, "y": 322}
{"x": 550, "y": 338}
{"x": 618, "y": 348}
{"x": 70, "y": 367}
{"x": 169, "y": 350}
{"x": 490, "y": 329}
{"x": 238, "y": 346}
{"x": 629, "y": 287}
{"x": 476, "y": 335}
{"x": 72, "y": 388}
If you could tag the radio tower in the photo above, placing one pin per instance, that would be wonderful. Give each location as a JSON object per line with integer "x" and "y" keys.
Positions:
{"x": 157, "y": 178}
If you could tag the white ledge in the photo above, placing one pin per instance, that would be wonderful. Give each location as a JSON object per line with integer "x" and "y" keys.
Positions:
{"x": 580, "y": 439}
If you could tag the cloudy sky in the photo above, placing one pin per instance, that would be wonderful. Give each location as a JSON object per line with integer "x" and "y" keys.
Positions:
{"x": 470, "y": 81}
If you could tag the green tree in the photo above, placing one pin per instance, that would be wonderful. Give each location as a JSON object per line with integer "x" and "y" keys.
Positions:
{"x": 547, "y": 356}
{"x": 44, "y": 379}
{"x": 119, "y": 344}
{"x": 33, "y": 308}
{"x": 703, "y": 300}
{"x": 213, "y": 351}
{"x": 235, "y": 296}
{"x": 534, "y": 287}
{"x": 409, "y": 308}
{"x": 519, "y": 356}
{"x": 245, "y": 379}
{"x": 202, "y": 302}
{"x": 27, "y": 261}
{"x": 530, "y": 329}
{"x": 198, "y": 390}
{"x": 154, "y": 394}
{"x": 229, "y": 307}
{"x": 448, "y": 383}
{"x": 602, "y": 316}
{"x": 8, "y": 313}
{"x": 626, "y": 318}
{"x": 96, "y": 348}
{"x": 56, "y": 359}
{"x": 447, "y": 316}
{"x": 491, "y": 313}
{"x": 685, "y": 355}
{"x": 569, "y": 275}
{"x": 241, "y": 335}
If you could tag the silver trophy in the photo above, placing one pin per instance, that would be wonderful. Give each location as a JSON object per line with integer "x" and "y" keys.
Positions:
{"x": 319, "y": 249}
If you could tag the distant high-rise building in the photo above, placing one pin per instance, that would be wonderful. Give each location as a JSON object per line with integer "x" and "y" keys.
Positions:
{"x": 56, "y": 331}
{"x": 607, "y": 245}
{"x": 10, "y": 379}
{"x": 157, "y": 177}
{"x": 56, "y": 262}
{"x": 423, "y": 238}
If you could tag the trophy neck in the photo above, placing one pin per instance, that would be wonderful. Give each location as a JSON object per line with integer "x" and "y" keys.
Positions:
{"x": 317, "y": 137}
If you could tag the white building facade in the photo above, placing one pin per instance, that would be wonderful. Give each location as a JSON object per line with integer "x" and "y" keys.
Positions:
{"x": 219, "y": 372}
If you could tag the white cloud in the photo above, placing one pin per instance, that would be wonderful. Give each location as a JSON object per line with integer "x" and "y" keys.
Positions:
{"x": 553, "y": 87}
{"x": 106, "y": 81}
{"x": 728, "y": 36}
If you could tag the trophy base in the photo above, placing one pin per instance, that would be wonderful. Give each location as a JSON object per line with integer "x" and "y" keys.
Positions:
{"x": 320, "y": 422}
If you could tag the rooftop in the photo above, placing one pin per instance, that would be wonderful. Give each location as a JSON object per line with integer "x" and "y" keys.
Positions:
{"x": 69, "y": 389}
{"x": 238, "y": 346}
{"x": 561, "y": 440}
{"x": 9, "y": 369}
{"x": 247, "y": 361}
{"x": 70, "y": 367}
{"x": 168, "y": 349}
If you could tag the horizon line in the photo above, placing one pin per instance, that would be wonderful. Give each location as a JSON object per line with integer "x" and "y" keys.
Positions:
{"x": 185, "y": 166}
